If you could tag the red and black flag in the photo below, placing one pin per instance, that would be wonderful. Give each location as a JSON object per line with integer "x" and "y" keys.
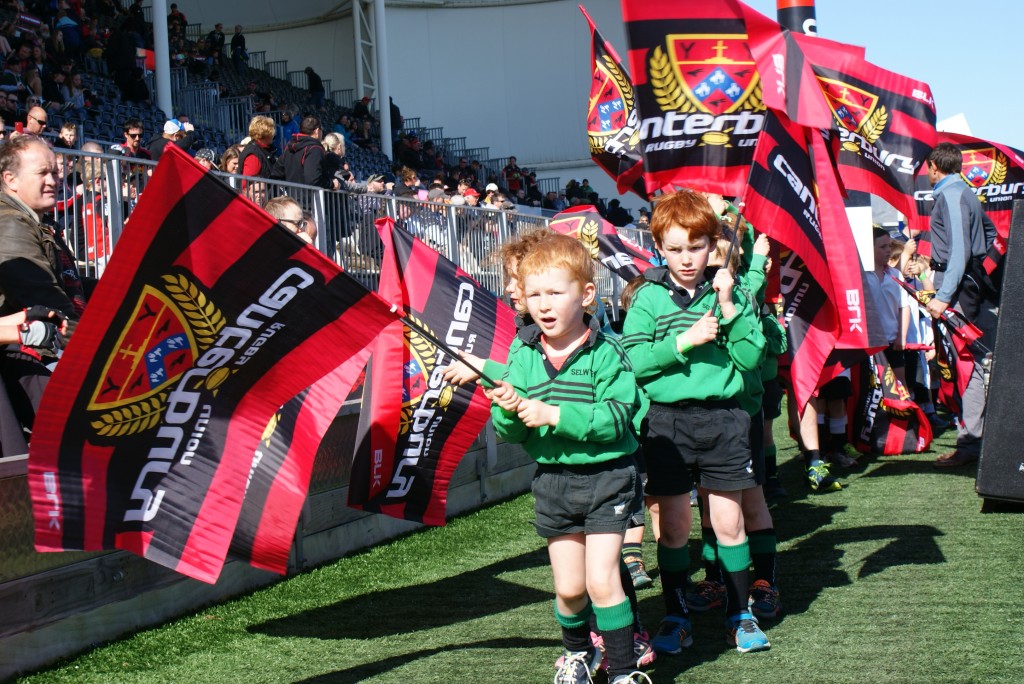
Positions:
{"x": 956, "y": 364}
{"x": 283, "y": 464}
{"x": 995, "y": 173}
{"x": 414, "y": 427}
{"x": 784, "y": 59}
{"x": 781, "y": 200}
{"x": 613, "y": 123}
{"x": 885, "y": 418}
{"x": 698, "y": 92}
{"x": 209, "y": 317}
{"x": 622, "y": 257}
{"x": 885, "y": 125}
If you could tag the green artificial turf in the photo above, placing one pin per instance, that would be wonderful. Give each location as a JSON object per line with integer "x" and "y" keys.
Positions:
{"x": 897, "y": 578}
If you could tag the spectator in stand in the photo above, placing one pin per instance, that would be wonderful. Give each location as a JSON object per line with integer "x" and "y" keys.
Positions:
{"x": 288, "y": 213}
{"x": 364, "y": 136}
{"x": 303, "y": 157}
{"x": 334, "y": 158}
{"x": 239, "y": 55}
{"x": 207, "y": 158}
{"x": 181, "y": 134}
{"x": 36, "y": 120}
{"x": 549, "y": 201}
{"x": 71, "y": 31}
{"x": 289, "y": 126}
{"x": 472, "y": 197}
{"x": 645, "y": 218}
{"x": 215, "y": 45}
{"x": 407, "y": 178}
{"x": 316, "y": 87}
{"x": 397, "y": 122}
{"x": 361, "y": 109}
{"x": 53, "y": 94}
{"x": 561, "y": 204}
{"x": 258, "y": 157}
{"x": 343, "y": 127}
{"x": 11, "y": 81}
{"x": 229, "y": 160}
{"x": 585, "y": 188}
{"x": 513, "y": 176}
{"x": 176, "y": 21}
{"x": 594, "y": 200}
{"x": 32, "y": 264}
{"x": 132, "y": 145}
{"x": 5, "y": 45}
{"x": 410, "y": 152}
{"x": 68, "y": 136}
{"x": 617, "y": 215}
{"x": 8, "y": 106}
{"x": 533, "y": 190}
{"x": 572, "y": 189}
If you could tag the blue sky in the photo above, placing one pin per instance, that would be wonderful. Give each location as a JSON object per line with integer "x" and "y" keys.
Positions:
{"x": 968, "y": 52}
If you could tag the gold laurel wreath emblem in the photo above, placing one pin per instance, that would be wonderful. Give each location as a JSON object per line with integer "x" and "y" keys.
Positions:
{"x": 871, "y": 128}
{"x": 668, "y": 91}
{"x": 131, "y": 418}
{"x": 206, "y": 321}
{"x": 890, "y": 382}
{"x": 945, "y": 371}
{"x": 588, "y": 238}
{"x": 425, "y": 351}
{"x": 597, "y": 140}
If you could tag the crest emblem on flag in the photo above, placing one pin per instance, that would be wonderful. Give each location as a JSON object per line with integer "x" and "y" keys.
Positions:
{"x": 168, "y": 330}
{"x": 424, "y": 359}
{"x": 856, "y": 110}
{"x": 583, "y": 229}
{"x": 983, "y": 166}
{"x": 611, "y": 100}
{"x": 710, "y": 73}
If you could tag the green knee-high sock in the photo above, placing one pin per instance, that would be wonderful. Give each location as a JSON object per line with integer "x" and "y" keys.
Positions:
{"x": 709, "y": 554}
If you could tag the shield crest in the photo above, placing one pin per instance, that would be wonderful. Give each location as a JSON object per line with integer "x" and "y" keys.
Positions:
{"x": 850, "y": 104}
{"x": 978, "y": 166}
{"x": 154, "y": 351}
{"x": 716, "y": 71}
{"x": 608, "y": 110}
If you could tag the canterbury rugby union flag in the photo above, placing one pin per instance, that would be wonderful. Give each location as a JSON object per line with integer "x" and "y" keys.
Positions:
{"x": 209, "y": 317}
{"x": 415, "y": 427}
{"x": 613, "y": 125}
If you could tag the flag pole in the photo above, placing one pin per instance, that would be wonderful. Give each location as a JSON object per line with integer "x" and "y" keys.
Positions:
{"x": 448, "y": 350}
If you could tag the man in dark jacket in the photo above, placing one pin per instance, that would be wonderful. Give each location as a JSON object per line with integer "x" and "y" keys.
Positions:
{"x": 304, "y": 157}
{"x": 316, "y": 87}
{"x": 176, "y": 132}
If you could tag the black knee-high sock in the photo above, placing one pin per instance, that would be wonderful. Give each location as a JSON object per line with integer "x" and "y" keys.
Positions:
{"x": 762, "y": 553}
{"x": 736, "y": 565}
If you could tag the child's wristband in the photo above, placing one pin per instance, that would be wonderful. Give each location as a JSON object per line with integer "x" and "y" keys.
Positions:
{"x": 682, "y": 346}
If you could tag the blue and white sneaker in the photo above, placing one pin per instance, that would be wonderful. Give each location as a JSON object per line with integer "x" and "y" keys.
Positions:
{"x": 743, "y": 632}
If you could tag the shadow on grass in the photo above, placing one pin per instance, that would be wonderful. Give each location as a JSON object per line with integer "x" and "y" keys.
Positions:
{"x": 449, "y": 601}
{"x": 889, "y": 466}
{"x": 367, "y": 670}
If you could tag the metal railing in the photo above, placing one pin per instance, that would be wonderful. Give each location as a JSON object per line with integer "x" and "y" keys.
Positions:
{"x": 258, "y": 60}
{"x": 91, "y": 217}
{"x": 343, "y": 98}
{"x": 298, "y": 79}
{"x": 278, "y": 69}
{"x": 547, "y": 185}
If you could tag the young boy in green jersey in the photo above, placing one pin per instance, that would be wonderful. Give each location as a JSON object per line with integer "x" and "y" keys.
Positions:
{"x": 569, "y": 396}
{"x": 689, "y": 340}
{"x": 751, "y": 262}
